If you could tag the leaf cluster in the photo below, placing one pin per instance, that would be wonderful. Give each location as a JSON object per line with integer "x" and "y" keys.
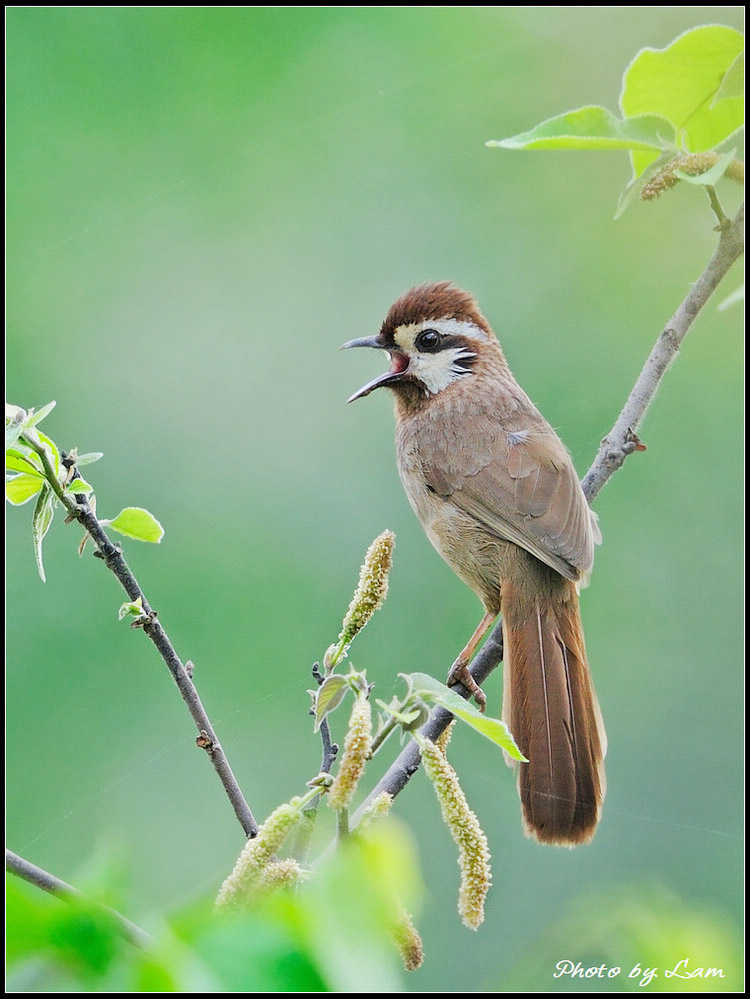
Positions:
{"x": 687, "y": 98}
{"x": 36, "y": 468}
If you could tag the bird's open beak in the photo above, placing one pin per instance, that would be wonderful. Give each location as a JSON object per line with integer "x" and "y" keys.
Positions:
{"x": 399, "y": 363}
{"x": 363, "y": 341}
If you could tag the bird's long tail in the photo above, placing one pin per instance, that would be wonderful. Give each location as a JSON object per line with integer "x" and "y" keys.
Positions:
{"x": 550, "y": 706}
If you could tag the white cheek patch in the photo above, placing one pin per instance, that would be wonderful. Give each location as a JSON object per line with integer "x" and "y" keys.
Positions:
{"x": 438, "y": 371}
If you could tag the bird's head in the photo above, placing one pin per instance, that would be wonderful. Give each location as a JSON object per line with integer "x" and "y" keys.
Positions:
{"x": 435, "y": 336}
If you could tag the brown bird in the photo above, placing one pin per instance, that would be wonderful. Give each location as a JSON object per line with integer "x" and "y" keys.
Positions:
{"x": 499, "y": 498}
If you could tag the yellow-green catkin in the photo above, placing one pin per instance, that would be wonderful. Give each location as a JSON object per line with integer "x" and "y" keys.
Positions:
{"x": 693, "y": 164}
{"x": 357, "y": 746}
{"x": 443, "y": 740}
{"x": 474, "y": 854}
{"x": 372, "y": 588}
{"x": 249, "y": 871}
{"x": 377, "y": 808}
{"x": 408, "y": 941}
{"x": 283, "y": 874}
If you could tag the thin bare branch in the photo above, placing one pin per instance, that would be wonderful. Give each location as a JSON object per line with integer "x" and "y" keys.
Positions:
{"x": 207, "y": 738}
{"x": 37, "y": 876}
{"x": 79, "y": 508}
{"x": 621, "y": 440}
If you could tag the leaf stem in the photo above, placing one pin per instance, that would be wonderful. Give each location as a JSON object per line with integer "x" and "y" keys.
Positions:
{"x": 724, "y": 222}
{"x": 383, "y": 733}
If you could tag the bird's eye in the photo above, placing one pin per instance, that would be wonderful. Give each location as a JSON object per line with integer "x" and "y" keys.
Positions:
{"x": 428, "y": 340}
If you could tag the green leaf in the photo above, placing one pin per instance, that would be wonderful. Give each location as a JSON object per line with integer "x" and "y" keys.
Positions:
{"x": 86, "y": 937}
{"x": 40, "y": 524}
{"x": 413, "y": 718}
{"x": 71, "y": 946}
{"x": 492, "y": 728}
{"x": 17, "y": 461}
{"x": 133, "y": 608}
{"x": 135, "y": 522}
{"x": 249, "y": 953}
{"x": 14, "y": 417}
{"x": 79, "y": 485}
{"x": 89, "y": 457}
{"x": 51, "y": 449}
{"x": 682, "y": 83}
{"x": 22, "y": 488}
{"x": 155, "y": 975}
{"x": 712, "y": 175}
{"x": 330, "y": 694}
{"x": 358, "y": 890}
{"x": 33, "y": 418}
{"x": 594, "y": 128}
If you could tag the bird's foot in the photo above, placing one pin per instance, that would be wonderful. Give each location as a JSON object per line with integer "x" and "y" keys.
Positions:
{"x": 459, "y": 673}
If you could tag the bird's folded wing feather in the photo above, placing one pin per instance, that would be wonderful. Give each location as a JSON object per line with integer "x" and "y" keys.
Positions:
{"x": 520, "y": 484}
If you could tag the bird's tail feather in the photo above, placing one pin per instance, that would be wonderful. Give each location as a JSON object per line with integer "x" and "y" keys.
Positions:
{"x": 550, "y": 706}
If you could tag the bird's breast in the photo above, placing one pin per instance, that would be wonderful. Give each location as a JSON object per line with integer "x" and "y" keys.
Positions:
{"x": 474, "y": 554}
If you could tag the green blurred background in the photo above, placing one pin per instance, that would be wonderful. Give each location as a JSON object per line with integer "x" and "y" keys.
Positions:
{"x": 203, "y": 204}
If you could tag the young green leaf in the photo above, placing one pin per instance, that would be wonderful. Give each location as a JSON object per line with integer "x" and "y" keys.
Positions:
{"x": 40, "y": 524}
{"x": 492, "y": 728}
{"x": 79, "y": 485}
{"x": 14, "y": 417}
{"x": 86, "y": 459}
{"x": 22, "y": 488}
{"x": 712, "y": 175}
{"x": 17, "y": 461}
{"x": 33, "y": 418}
{"x": 133, "y": 608}
{"x": 413, "y": 718}
{"x": 135, "y": 522}
{"x": 681, "y": 82}
{"x": 51, "y": 448}
{"x": 330, "y": 694}
{"x": 594, "y": 128}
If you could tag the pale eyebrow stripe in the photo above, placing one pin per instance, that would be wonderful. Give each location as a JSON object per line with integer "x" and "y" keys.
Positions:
{"x": 456, "y": 327}
{"x": 406, "y": 335}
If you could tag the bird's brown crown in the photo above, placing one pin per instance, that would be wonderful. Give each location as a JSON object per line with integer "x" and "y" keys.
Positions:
{"x": 442, "y": 300}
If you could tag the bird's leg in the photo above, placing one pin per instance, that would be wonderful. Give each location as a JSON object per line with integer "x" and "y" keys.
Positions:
{"x": 459, "y": 671}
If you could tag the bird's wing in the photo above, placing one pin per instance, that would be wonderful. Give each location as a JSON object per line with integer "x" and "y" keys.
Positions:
{"x": 520, "y": 483}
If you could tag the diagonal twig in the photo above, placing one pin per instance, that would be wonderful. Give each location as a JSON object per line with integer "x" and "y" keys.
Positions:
{"x": 80, "y": 509}
{"x": 207, "y": 738}
{"x": 37, "y": 876}
{"x": 621, "y": 440}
